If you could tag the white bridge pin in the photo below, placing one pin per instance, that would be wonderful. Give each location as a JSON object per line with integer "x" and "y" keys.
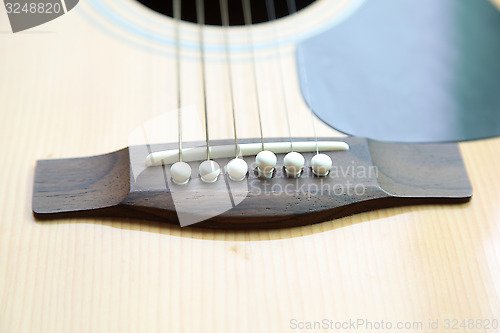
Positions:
{"x": 237, "y": 169}
{"x": 180, "y": 173}
{"x": 266, "y": 162}
{"x": 294, "y": 163}
{"x": 209, "y": 171}
{"x": 321, "y": 165}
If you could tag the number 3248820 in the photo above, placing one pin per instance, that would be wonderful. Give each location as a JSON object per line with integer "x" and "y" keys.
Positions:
{"x": 33, "y": 8}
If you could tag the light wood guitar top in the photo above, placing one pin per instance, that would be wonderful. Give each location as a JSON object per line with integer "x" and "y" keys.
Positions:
{"x": 76, "y": 87}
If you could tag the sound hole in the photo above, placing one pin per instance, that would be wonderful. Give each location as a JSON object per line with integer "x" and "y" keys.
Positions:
{"x": 212, "y": 10}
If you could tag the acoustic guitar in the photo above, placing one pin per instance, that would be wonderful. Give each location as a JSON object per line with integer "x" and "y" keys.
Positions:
{"x": 153, "y": 78}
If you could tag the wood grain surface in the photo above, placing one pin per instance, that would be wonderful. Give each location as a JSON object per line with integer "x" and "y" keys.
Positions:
{"x": 78, "y": 86}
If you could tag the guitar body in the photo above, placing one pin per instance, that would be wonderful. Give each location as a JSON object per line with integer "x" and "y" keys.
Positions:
{"x": 81, "y": 84}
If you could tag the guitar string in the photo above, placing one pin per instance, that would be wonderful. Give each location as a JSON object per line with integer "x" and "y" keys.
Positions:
{"x": 292, "y": 6}
{"x": 307, "y": 96}
{"x": 271, "y": 13}
{"x": 224, "y": 8}
{"x": 177, "y": 9}
{"x": 247, "y": 15}
{"x": 200, "y": 11}
{"x": 248, "y": 22}
{"x": 292, "y": 9}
